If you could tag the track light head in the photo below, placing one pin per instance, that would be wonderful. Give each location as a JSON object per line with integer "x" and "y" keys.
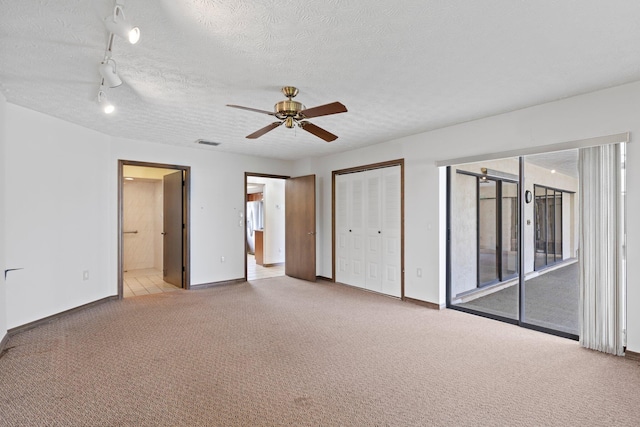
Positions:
{"x": 108, "y": 72}
{"x": 107, "y": 106}
{"x": 118, "y": 25}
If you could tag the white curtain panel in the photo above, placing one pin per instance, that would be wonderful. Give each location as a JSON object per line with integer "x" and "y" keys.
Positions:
{"x": 601, "y": 249}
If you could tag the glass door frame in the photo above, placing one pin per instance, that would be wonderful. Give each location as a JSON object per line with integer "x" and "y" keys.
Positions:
{"x": 521, "y": 266}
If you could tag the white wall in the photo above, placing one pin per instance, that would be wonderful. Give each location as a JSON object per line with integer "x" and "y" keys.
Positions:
{"x": 61, "y": 211}
{"x": 3, "y": 264}
{"x": 57, "y": 212}
{"x": 599, "y": 113}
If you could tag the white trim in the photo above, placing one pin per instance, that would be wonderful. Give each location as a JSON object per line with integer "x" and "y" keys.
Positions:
{"x": 561, "y": 146}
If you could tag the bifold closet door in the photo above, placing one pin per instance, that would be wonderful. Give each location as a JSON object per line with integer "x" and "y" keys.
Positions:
{"x": 368, "y": 230}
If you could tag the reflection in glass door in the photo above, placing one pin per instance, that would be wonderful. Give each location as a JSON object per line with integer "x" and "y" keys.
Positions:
{"x": 509, "y": 230}
{"x": 548, "y": 226}
{"x": 551, "y": 292}
{"x": 484, "y": 238}
{"x": 487, "y": 232}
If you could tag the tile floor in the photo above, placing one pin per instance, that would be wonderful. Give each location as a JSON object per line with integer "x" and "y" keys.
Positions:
{"x": 145, "y": 282}
{"x": 255, "y": 271}
{"x": 149, "y": 281}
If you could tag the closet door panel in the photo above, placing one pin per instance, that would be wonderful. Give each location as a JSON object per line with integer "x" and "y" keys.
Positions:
{"x": 356, "y": 230}
{"x": 391, "y": 233}
{"x": 373, "y": 253}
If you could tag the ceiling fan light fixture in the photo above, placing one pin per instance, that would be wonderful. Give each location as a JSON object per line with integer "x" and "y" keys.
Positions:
{"x": 292, "y": 113}
{"x": 117, "y": 24}
{"x": 289, "y": 122}
{"x": 108, "y": 72}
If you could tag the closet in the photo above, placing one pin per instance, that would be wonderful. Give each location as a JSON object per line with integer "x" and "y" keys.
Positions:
{"x": 368, "y": 226}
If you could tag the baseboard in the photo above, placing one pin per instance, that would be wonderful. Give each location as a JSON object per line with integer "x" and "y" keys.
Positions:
{"x": 3, "y": 342}
{"x": 632, "y": 355}
{"x": 326, "y": 279}
{"x": 275, "y": 264}
{"x": 53, "y": 317}
{"x": 427, "y": 304}
{"x": 214, "y": 284}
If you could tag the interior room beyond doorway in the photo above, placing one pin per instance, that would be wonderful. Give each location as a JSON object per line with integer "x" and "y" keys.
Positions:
{"x": 265, "y": 227}
{"x": 152, "y": 200}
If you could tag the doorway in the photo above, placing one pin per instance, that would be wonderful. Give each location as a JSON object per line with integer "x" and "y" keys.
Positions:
{"x": 264, "y": 226}
{"x": 153, "y": 228}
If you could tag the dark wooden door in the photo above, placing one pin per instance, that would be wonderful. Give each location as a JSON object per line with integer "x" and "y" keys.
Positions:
{"x": 173, "y": 228}
{"x": 300, "y": 227}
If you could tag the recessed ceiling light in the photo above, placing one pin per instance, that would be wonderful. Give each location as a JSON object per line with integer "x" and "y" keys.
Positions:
{"x": 553, "y": 171}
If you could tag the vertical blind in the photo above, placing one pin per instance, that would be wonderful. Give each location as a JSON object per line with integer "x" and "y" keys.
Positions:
{"x": 602, "y": 278}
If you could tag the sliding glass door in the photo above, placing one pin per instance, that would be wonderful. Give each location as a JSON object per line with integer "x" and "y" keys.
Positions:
{"x": 551, "y": 285}
{"x": 485, "y": 210}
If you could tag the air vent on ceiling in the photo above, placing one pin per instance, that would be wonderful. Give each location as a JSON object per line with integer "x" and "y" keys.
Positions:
{"x": 205, "y": 142}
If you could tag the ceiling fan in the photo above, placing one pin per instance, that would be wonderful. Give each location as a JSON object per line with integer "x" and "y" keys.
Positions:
{"x": 291, "y": 113}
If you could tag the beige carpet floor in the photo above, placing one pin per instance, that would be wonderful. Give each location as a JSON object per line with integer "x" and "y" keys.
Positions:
{"x": 282, "y": 352}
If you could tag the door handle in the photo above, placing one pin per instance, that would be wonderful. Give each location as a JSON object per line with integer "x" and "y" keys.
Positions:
{"x": 312, "y": 233}
{"x": 163, "y": 233}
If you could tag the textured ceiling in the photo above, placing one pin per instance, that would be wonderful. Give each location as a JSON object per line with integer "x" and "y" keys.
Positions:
{"x": 400, "y": 67}
{"x": 564, "y": 162}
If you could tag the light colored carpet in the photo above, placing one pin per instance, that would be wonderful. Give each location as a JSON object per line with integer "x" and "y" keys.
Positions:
{"x": 291, "y": 353}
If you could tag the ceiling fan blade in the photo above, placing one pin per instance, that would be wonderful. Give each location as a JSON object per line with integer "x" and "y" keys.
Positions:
{"x": 318, "y": 131}
{"x": 324, "y": 110}
{"x": 260, "y": 132}
{"x": 271, "y": 113}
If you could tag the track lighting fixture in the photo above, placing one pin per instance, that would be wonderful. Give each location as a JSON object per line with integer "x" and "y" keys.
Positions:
{"x": 117, "y": 24}
{"x": 107, "y": 106}
{"x": 108, "y": 72}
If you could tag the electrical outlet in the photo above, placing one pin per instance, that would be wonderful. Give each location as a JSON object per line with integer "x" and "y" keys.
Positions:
{"x": 85, "y": 275}
{"x": 221, "y": 259}
{"x": 419, "y": 272}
